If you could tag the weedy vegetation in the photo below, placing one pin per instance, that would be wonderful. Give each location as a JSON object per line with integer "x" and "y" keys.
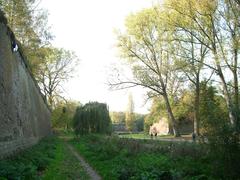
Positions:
{"x": 116, "y": 158}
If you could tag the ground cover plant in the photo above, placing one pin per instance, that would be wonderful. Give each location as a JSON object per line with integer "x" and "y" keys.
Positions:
{"x": 50, "y": 159}
{"x": 65, "y": 166}
{"x": 116, "y": 158}
{"x": 30, "y": 163}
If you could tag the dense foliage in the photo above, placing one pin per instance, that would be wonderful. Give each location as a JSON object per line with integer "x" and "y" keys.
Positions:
{"x": 139, "y": 122}
{"x": 223, "y": 141}
{"x": 62, "y": 115}
{"x": 93, "y": 117}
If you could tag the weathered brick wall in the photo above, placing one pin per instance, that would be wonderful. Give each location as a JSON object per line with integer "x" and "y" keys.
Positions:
{"x": 24, "y": 115}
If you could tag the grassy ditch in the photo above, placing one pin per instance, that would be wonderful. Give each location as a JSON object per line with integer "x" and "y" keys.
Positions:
{"x": 50, "y": 159}
{"x": 116, "y": 158}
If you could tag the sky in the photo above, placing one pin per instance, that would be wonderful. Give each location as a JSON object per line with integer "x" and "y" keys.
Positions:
{"x": 87, "y": 28}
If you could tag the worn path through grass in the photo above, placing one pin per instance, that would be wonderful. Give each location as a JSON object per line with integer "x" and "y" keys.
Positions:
{"x": 89, "y": 170}
{"x": 65, "y": 165}
{"x": 92, "y": 174}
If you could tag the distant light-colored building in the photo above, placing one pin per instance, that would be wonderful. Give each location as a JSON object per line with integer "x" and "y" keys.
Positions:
{"x": 161, "y": 127}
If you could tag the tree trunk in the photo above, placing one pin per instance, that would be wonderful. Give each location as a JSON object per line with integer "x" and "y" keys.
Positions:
{"x": 196, "y": 108}
{"x": 235, "y": 70}
{"x": 171, "y": 116}
{"x": 220, "y": 74}
{"x": 226, "y": 96}
{"x": 236, "y": 88}
{"x": 170, "y": 130}
{"x": 50, "y": 100}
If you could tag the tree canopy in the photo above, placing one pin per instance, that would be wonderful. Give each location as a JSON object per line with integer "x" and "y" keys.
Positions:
{"x": 49, "y": 65}
{"x": 58, "y": 67}
{"x": 176, "y": 45}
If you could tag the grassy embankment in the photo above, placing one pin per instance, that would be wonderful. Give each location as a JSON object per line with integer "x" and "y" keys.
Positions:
{"x": 50, "y": 159}
{"x": 120, "y": 158}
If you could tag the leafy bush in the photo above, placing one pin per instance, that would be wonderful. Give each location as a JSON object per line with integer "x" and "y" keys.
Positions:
{"x": 62, "y": 114}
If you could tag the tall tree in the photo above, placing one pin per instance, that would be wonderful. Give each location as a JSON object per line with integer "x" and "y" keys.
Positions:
{"x": 192, "y": 60}
{"x": 210, "y": 20}
{"x": 58, "y": 68}
{"x": 150, "y": 58}
{"x": 230, "y": 13}
{"x": 191, "y": 54}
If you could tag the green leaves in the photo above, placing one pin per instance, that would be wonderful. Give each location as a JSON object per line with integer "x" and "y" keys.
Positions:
{"x": 57, "y": 67}
{"x": 117, "y": 158}
{"x": 93, "y": 117}
{"x": 30, "y": 162}
{"x": 29, "y": 26}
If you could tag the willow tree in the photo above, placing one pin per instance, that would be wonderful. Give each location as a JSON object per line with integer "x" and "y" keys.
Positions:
{"x": 147, "y": 46}
{"x": 92, "y": 118}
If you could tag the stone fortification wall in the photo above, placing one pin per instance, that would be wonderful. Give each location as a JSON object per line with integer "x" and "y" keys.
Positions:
{"x": 24, "y": 114}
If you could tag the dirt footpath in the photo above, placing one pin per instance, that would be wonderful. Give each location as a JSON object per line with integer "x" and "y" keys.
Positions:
{"x": 90, "y": 171}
